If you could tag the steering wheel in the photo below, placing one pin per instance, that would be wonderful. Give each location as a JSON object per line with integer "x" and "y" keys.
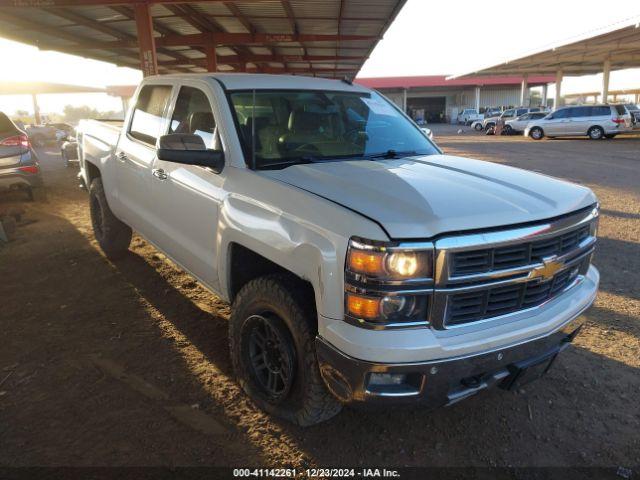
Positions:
{"x": 354, "y": 135}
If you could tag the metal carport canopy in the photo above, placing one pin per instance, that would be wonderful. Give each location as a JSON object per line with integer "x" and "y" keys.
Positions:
{"x": 615, "y": 47}
{"x": 619, "y": 44}
{"x": 329, "y": 38}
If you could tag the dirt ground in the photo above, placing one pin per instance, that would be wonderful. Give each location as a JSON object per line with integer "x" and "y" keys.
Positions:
{"x": 127, "y": 363}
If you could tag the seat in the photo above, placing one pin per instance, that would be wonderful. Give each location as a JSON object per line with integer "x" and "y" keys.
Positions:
{"x": 201, "y": 122}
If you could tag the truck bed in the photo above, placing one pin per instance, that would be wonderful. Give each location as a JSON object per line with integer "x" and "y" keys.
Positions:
{"x": 99, "y": 138}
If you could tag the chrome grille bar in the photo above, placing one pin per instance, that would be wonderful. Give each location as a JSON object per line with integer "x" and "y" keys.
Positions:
{"x": 569, "y": 241}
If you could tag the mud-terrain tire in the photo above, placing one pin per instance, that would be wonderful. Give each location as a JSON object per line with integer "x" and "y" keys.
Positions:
{"x": 279, "y": 307}
{"x": 113, "y": 236}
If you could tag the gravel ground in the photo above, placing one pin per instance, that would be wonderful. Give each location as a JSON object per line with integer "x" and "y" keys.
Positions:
{"x": 127, "y": 363}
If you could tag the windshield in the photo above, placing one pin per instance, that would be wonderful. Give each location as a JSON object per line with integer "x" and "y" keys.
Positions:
{"x": 278, "y": 128}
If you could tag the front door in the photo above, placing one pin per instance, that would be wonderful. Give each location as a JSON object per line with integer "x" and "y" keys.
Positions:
{"x": 557, "y": 123}
{"x": 186, "y": 197}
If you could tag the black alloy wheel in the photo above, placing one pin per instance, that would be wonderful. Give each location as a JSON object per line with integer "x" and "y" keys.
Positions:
{"x": 271, "y": 356}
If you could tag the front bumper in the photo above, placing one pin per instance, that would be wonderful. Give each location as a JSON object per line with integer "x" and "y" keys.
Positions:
{"x": 441, "y": 382}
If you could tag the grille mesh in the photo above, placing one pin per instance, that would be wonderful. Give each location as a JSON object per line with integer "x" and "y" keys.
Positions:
{"x": 480, "y": 305}
{"x": 513, "y": 256}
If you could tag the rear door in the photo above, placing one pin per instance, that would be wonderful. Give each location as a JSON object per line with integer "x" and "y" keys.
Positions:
{"x": 135, "y": 154}
{"x": 187, "y": 198}
{"x": 580, "y": 118}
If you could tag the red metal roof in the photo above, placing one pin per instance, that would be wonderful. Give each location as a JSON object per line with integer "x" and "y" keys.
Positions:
{"x": 441, "y": 81}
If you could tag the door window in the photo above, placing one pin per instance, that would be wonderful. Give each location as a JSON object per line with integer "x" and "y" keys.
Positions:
{"x": 562, "y": 113}
{"x": 146, "y": 123}
{"x": 193, "y": 115}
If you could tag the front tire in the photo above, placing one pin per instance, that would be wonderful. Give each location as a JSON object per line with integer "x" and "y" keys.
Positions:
{"x": 478, "y": 127}
{"x": 536, "y": 133}
{"x": 112, "y": 235}
{"x": 272, "y": 343}
{"x": 596, "y": 133}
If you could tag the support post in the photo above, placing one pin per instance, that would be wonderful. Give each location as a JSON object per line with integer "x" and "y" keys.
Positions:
{"x": 212, "y": 59}
{"x": 558, "y": 98}
{"x": 477, "y": 98}
{"x": 125, "y": 105}
{"x": 36, "y": 109}
{"x": 404, "y": 100}
{"x": 146, "y": 42}
{"x": 545, "y": 94}
{"x": 524, "y": 91}
{"x": 606, "y": 70}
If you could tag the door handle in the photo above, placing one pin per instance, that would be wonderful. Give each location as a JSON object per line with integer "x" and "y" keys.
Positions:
{"x": 122, "y": 156}
{"x": 159, "y": 173}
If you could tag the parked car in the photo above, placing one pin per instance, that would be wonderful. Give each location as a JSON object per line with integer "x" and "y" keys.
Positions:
{"x": 362, "y": 264}
{"x": 594, "y": 121}
{"x": 468, "y": 116}
{"x": 19, "y": 168}
{"x": 64, "y": 130}
{"x": 428, "y": 132}
{"x": 69, "y": 151}
{"x": 477, "y": 125}
{"x": 517, "y": 125}
{"x": 40, "y": 135}
{"x": 507, "y": 115}
{"x": 634, "y": 111}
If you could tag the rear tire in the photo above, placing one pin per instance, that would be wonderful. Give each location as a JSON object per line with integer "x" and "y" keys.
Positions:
{"x": 478, "y": 127}
{"x": 596, "y": 133}
{"x": 272, "y": 343}
{"x": 112, "y": 235}
{"x": 536, "y": 133}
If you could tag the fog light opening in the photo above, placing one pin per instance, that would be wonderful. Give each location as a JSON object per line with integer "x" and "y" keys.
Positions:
{"x": 394, "y": 384}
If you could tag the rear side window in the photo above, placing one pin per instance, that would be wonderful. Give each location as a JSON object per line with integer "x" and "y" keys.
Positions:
{"x": 600, "y": 111}
{"x": 521, "y": 111}
{"x": 620, "y": 109}
{"x": 580, "y": 111}
{"x": 147, "y": 116}
{"x": 193, "y": 115}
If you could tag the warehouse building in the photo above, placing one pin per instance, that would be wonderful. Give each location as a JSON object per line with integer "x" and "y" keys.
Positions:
{"x": 436, "y": 99}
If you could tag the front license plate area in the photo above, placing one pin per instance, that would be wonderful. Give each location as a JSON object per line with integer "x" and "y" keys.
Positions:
{"x": 527, "y": 371}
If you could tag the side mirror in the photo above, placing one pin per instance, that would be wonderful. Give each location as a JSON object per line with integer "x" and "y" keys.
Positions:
{"x": 188, "y": 149}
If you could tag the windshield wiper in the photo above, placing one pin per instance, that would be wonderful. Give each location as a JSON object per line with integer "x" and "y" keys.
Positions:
{"x": 288, "y": 163}
{"x": 390, "y": 154}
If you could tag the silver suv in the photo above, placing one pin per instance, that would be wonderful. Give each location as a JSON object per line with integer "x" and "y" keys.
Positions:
{"x": 594, "y": 121}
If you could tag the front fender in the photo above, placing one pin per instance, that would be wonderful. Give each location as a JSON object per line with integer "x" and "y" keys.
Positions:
{"x": 303, "y": 233}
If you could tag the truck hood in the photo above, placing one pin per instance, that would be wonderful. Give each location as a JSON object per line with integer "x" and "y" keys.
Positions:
{"x": 423, "y": 196}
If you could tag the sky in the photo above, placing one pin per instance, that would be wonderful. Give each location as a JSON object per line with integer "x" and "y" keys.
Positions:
{"x": 427, "y": 38}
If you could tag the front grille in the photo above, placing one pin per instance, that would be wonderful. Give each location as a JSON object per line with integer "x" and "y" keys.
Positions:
{"x": 500, "y": 300}
{"x": 513, "y": 256}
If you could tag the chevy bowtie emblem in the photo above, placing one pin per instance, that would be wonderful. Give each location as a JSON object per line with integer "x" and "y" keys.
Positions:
{"x": 550, "y": 266}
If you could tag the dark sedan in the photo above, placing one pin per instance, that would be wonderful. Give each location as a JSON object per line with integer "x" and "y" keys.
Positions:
{"x": 19, "y": 167}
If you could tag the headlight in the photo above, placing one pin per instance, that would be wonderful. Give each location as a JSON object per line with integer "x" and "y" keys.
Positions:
{"x": 389, "y": 262}
{"x": 388, "y": 284}
{"x": 388, "y": 309}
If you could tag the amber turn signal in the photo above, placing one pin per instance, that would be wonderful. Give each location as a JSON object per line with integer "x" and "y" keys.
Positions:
{"x": 362, "y": 307}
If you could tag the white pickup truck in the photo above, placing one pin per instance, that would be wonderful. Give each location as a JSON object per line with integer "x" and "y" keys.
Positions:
{"x": 362, "y": 264}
